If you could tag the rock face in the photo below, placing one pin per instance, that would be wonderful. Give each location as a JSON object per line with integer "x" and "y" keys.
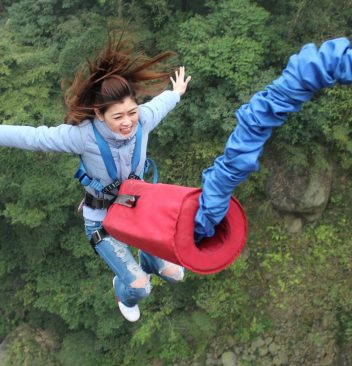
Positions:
{"x": 300, "y": 193}
{"x": 228, "y": 359}
{"x": 2, "y": 351}
{"x": 293, "y": 223}
{"x": 25, "y": 337}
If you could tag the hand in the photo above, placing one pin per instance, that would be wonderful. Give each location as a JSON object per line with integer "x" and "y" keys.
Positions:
{"x": 180, "y": 84}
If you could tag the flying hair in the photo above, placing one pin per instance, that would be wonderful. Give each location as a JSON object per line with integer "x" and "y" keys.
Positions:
{"x": 118, "y": 72}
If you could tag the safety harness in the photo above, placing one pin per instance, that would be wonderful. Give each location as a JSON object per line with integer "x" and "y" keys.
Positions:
{"x": 112, "y": 188}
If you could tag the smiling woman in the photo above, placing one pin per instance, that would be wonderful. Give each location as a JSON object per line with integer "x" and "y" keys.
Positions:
{"x": 121, "y": 117}
{"x": 102, "y": 105}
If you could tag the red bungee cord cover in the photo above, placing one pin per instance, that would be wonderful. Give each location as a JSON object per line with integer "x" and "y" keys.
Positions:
{"x": 162, "y": 224}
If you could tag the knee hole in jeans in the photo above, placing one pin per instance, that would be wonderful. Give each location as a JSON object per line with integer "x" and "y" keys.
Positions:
{"x": 173, "y": 271}
{"x": 140, "y": 282}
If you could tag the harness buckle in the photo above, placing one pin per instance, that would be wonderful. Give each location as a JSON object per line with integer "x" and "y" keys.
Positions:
{"x": 112, "y": 186}
{"x": 96, "y": 203}
{"x": 105, "y": 204}
{"x": 127, "y": 200}
{"x": 97, "y": 237}
{"x": 84, "y": 175}
{"x": 133, "y": 176}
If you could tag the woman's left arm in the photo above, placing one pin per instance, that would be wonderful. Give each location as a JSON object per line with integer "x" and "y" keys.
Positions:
{"x": 151, "y": 113}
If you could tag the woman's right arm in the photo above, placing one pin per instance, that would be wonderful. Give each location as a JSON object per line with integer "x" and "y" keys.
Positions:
{"x": 63, "y": 138}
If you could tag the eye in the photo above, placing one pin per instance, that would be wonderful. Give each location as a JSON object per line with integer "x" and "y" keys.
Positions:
{"x": 117, "y": 118}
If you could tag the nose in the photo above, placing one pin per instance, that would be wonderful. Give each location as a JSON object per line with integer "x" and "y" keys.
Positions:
{"x": 126, "y": 121}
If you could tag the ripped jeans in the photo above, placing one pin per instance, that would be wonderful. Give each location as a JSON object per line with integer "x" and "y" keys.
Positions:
{"x": 133, "y": 279}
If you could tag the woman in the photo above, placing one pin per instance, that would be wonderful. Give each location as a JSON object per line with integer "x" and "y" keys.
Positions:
{"x": 103, "y": 98}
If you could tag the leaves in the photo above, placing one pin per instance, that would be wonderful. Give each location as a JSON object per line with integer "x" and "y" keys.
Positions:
{"x": 50, "y": 276}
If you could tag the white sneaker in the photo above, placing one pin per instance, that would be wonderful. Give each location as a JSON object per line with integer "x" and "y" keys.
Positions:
{"x": 132, "y": 314}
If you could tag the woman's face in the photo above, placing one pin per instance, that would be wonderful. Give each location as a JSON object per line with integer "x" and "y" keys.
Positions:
{"x": 121, "y": 117}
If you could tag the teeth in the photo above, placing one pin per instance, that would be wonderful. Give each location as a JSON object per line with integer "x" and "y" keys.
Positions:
{"x": 126, "y": 130}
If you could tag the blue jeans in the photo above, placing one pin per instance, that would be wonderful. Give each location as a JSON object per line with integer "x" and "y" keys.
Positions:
{"x": 119, "y": 258}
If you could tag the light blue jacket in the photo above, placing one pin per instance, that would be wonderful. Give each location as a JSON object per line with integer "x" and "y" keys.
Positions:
{"x": 80, "y": 140}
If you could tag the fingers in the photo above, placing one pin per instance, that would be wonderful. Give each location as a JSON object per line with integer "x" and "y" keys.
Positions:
{"x": 179, "y": 83}
{"x": 180, "y": 74}
{"x": 188, "y": 80}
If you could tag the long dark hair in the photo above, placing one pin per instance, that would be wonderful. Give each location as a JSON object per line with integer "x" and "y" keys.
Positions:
{"x": 116, "y": 73}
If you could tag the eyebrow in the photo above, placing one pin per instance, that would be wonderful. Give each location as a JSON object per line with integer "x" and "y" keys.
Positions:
{"x": 114, "y": 114}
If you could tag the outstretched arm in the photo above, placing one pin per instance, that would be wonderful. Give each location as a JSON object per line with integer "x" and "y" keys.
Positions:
{"x": 63, "y": 138}
{"x": 152, "y": 113}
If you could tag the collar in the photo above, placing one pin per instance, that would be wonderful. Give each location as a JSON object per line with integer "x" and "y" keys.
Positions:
{"x": 112, "y": 136}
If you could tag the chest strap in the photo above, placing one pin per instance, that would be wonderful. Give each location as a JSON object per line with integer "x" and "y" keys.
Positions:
{"x": 109, "y": 163}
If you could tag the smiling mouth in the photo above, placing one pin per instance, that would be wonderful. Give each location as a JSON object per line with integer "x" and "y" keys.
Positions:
{"x": 126, "y": 130}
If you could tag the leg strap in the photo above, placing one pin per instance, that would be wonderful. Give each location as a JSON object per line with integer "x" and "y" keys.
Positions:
{"x": 97, "y": 237}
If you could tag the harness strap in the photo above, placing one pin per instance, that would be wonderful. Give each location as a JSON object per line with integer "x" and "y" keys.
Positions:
{"x": 136, "y": 157}
{"x": 151, "y": 163}
{"x": 109, "y": 163}
{"x": 97, "y": 237}
{"x": 96, "y": 203}
{"x": 106, "y": 154}
{"x": 87, "y": 181}
{"x": 122, "y": 199}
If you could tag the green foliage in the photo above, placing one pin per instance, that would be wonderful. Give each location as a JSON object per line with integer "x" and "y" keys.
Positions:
{"x": 35, "y": 22}
{"x": 25, "y": 216}
{"x": 79, "y": 349}
{"x": 86, "y": 45}
{"x": 158, "y": 10}
{"x": 233, "y": 50}
{"x": 49, "y": 275}
{"x": 338, "y": 128}
{"x": 28, "y": 346}
{"x": 26, "y": 85}
{"x": 225, "y": 67}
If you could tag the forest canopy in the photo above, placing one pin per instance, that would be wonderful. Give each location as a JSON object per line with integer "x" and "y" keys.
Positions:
{"x": 51, "y": 280}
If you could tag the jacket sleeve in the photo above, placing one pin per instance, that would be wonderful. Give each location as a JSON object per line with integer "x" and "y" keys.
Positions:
{"x": 151, "y": 113}
{"x": 63, "y": 138}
